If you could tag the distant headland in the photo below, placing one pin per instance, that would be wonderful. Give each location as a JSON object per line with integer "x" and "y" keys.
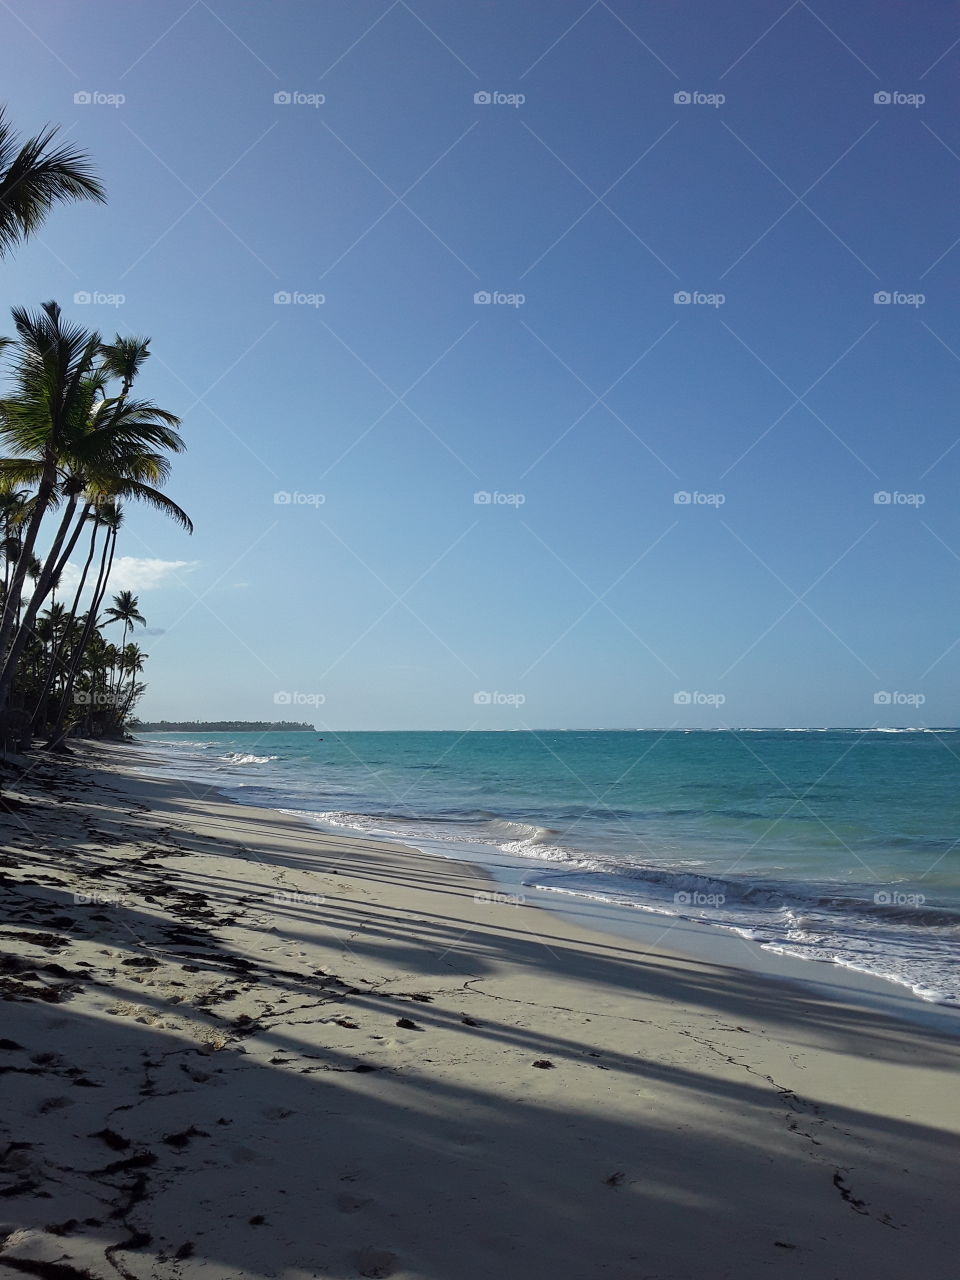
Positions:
{"x": 221, "y": 726}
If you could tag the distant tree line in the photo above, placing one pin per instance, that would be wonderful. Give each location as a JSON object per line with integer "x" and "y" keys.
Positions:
{"x": 220, "y": 726}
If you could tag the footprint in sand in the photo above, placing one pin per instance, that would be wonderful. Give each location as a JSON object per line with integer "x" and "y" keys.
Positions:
{"x": 375, "y": 1262}
{"x": 53, "y": 1104}
{"x": 352, "y": 1204}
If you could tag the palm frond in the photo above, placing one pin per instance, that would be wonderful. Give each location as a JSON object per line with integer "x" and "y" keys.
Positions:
{"x": 154, "y": 498}
{"x": 37, "y": 175}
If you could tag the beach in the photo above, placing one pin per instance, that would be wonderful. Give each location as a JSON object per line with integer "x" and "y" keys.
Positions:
{"x": 184, "y": 976}
{"x": 765, "y": 848}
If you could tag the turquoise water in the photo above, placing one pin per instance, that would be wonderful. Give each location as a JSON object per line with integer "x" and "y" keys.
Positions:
{"x": 838, "y": 845}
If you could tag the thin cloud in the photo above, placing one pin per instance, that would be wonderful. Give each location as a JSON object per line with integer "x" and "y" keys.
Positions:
{"x": 132, "y": 573}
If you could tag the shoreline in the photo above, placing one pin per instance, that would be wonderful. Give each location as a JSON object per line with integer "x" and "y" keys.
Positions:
{"x": 315, "y": 1055}
{"x": 690, "y": 938}
{"x": 702, "y": 939}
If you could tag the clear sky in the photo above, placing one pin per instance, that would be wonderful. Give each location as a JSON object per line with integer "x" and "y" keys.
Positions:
{"x": 588, "y": 190}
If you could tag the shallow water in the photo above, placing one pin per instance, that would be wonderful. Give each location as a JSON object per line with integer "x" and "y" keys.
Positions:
{"x": 837, "y": 844}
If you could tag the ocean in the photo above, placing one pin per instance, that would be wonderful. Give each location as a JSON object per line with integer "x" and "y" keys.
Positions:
{"x": 831, "y": 845}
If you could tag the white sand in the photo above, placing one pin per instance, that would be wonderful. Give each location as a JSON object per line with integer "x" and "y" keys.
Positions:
{"x": 222, "y": 1087}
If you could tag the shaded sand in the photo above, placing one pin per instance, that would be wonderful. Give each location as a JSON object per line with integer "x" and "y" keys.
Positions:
{"x": 263, "y": 1051}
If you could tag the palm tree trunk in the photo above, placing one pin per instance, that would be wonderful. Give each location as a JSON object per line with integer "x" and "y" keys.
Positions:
{"x": 7, "y": 526}
{"x": 25, "y": 629}
{"x": 11, "y": 608}
{"x": 120, "y": 659}
{"x": 106, "y": 564}
{"x": 42, "y": 501}
{"x": 40, "y": 711}
{"x": 129, "y": 701}
{"x": 68, "y": 550}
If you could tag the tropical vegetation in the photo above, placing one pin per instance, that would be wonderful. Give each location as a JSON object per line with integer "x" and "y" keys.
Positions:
{"x": 77, "y": 447}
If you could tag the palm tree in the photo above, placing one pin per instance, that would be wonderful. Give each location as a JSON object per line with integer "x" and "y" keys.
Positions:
{"x": 103, "y": 446}
{"x": 14, "y": 507}
{"x": 71, "y": 630}
{"x": 123, "y": 359}
{"x": 125, "y": 609}
{"x": 133, "y": 660}
{"x": 110, "y": 458}
{"x": 34, "y": 176}
{"x": 53, "y": 367}
{"x": 109, "y": 516}
{"x": 76, "y": 449}
{"x": 52, "y": 630}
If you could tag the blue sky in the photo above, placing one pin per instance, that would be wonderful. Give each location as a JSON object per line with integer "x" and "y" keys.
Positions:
{"x": 383, "y": 595}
